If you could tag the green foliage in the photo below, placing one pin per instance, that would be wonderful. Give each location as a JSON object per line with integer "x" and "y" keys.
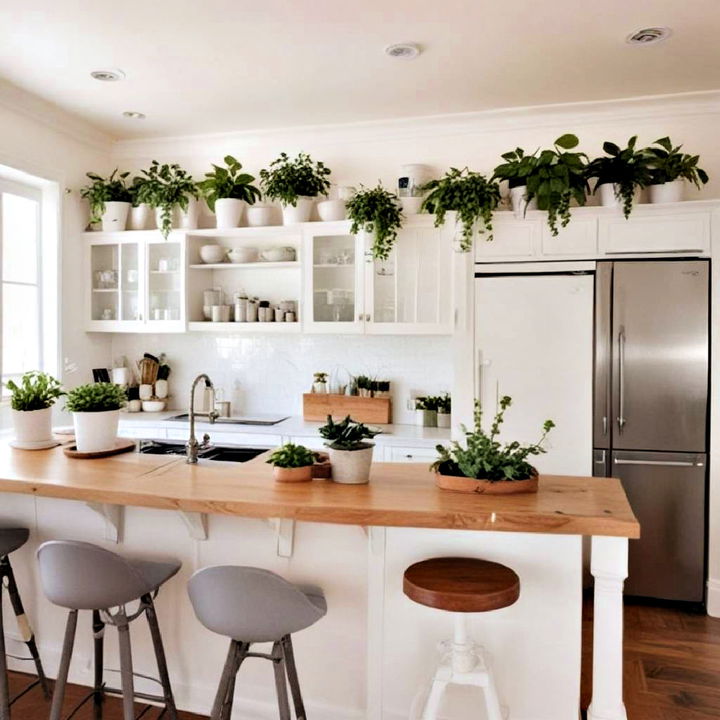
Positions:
{"x": 428, "y": 402}
{"x": 140, "y": 191}
{"x": 286, "y": 180}
{"x": 667, "y": 163}
{"x": 626, "y": 168}
{"x": 484, "y": 457}
{"x": 470, "y": 194}
{"x": 444, "y": 403}
{"x": 292, "y": 456}
{"x": 102, "y": 190}
{"x": 168, "y": 186}
{"x": 377, "y": 211}
{"x": 320, "y": 377}
{"x": 95, "y": 397}
{"x": 347, "y": 435}
{"x": 516, "y": 168}
{"x": 228, "y": 182}
{"x": 37, "y": 391}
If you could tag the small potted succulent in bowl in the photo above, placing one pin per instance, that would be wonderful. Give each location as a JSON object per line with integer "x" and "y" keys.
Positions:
{"x": 350, "y": 453}
{"x": 485, "y": 465}
{"x": 320, "y": 382}
{"x": 174, "y": 195}
{"x": 669, "y": 170}
{"x": 31, "y": 403}
{"x": 377, "y": 212}
{"x": 96, "y": 412}
{"x": 444, "y": 408}
{"x": 292, "y": 463}
{"x": 109, "y": 199}
{"x": 228, "y": 191}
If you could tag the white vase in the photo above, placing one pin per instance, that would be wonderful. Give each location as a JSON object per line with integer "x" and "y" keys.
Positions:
{"x": 443, "y": 420}
{"x": 518, "y": 202}
{"x": 331, "y": 210}
{"x": 669, "y": 192}
{"x": 298, "y": 213}
{"x": 95, "y": 431}
{"x": 320, "y": 387}
{"x": 351, "y": 467}
{"x": 33, "y": 426}
{"x": 161, "y": 389}
{"x": 259, "y": 215}
{"x": 608, "y": 196}
{"x": 115, "y": 216}
{"x": 188, "y": 219}
{"x": 140, "y": 217}
{"x": 228, "y": 212}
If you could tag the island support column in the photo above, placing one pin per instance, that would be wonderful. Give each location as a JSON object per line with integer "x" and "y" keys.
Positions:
{"x": 609, "y": 566}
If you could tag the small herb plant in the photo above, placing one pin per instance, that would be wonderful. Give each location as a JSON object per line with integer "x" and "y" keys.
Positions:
{"x": 626, "y": 168}
{"x": 667, "y": 163}
{"x": 292, "y": 456}
{"x": 320, "y": 377}
{"x": 102, "y": 190}
{"x": 286, "y": 180}
{"x": 95, "y": 397}
{"x": 228, "y": 182}
{"x": 377, "y": 211}
{"x": 471, "y": 195}
{"x": 168, "y": 186}
{"x": 484, "y": 457}
{"x": 36, "y": 391}
{"x": 444, "y": 404}
{"x": 347, "y": 434}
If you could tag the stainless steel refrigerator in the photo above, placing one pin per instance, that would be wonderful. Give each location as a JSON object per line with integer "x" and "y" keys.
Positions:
{"x": 651, "y": 414}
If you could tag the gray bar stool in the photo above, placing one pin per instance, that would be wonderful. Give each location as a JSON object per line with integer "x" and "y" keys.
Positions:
{"x": 81, "y": 576}
{"x": 250, "y": 605}
{"x": 10, "y": 540}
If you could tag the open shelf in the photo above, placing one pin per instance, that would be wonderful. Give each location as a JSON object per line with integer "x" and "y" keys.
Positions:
{"x": 246, "y": 266}
{"x": 272, "y": 328}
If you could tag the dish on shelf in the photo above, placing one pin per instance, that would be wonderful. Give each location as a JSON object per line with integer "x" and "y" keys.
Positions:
{"x": 278, "y": 254}
{"x": 243, "y": 255}
{"x": 153, "y": 405}
{"x": 213, "y": 254}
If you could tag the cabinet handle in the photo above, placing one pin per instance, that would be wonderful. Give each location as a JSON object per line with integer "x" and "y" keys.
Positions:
{"x": 360, "y": 317}
{"x": 368, "y": 318}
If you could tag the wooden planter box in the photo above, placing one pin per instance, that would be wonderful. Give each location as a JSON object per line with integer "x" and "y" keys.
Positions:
{"x": 317, "y": 406}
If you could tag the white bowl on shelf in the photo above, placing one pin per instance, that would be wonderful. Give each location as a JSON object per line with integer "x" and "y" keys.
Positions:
{"x": 153, "y": 405}
{"x": 278, "y": 254}
{"x": 213, "y": 254}
{"x": 243, "y": 255}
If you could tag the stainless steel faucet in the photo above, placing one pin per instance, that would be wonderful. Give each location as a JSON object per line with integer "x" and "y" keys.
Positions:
{"x": 192, "y": 446}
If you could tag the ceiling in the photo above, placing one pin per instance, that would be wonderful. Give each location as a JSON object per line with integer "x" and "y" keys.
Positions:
{"x": 225, "y": 65}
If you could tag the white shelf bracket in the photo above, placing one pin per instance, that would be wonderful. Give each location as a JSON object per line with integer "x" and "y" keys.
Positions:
{"x": 196, "y": 524}
{"x": 284, "y": 534}
{"x": 112, "y": 515}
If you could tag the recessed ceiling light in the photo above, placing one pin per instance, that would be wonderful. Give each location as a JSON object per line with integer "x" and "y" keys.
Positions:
{"x": 112, "y": 75}
{"x": 404, "y": 51}
{"x": 133, "y": 115}
{"x": 649, "y": 36}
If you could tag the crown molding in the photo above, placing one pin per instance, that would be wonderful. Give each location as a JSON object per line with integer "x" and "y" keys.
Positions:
{"x": 578, "y": 114}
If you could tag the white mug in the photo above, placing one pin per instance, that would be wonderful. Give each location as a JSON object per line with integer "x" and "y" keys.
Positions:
{"x": 145, "y": 391}
{"x": 121, "y": 375}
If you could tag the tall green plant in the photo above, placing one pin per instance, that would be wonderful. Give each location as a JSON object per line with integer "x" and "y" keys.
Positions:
{"x": 101, "y": 190}
{"x": 168, "y": 186}
{"x": 377, "y": 211}
{"x": 228, "y": 182}
{"x": 36, "y": 391}
{"x": 286, "y": 180}
{"x": 667, "y": 163}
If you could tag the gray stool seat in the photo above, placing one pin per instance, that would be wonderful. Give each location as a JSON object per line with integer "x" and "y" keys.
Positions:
{"x": 11, "y": 539}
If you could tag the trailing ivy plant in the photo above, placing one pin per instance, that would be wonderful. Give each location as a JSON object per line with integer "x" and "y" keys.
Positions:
{"x": 377, "y": 211}
{"x": 286, "y": 180}
{"x": 626, "y": 169}
{"x": 140, "y": 191}
{"x": 228, "y": 182}
{"x": 292, "y": 456}
{"x": 36, "y": 391}
{"x": 168, "y": 186}
{"x": 667, "y": 163}
{"x": 470, "y": 194}
{"x": 101, "y": 190}
{"x": 95, "y": 397}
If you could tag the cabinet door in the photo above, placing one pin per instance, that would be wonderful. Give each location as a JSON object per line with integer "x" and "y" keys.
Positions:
{"x": 165, "y": 285}
{"x": 513, "y": 238}
{"x": 394, "y": 453}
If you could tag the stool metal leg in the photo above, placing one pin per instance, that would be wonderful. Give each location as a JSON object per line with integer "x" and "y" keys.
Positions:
{"x": 432, "y": 705}
{"x": 222, "y": 706}
{"x": 61, "y": 681}
{"x": 160, "y": 656}
{"x": 126, "y": 670}
{"x": 4, "y": 687}
{"x": 291, "y": 668}
{"x": 281, "y": 681}
{"x": 98, "y": 627}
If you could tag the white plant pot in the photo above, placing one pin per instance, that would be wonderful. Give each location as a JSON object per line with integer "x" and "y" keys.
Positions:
{"x": 33, "y": 426}
{"x": 667, "y": 192}
{"x": 426, "y": 418}
{"x": 228, "y": 212}
{"x": 608, "y": 197}
{"x": 331, "y": 210}
{"x": 351, "y": 467}
{"x": 411, "y": 205}
{"x": 188, "y": 219}
{"x": 259, "y": 215}
{"x": 140, "y": 217}
{"x": 320, "y": 387}
{"x": 95, "y": 430}
{"x": 299, "y": 213}
{"x": 518, "y": 203}
{"x": 443, "y": 420}
{"x": 115, "y": 216}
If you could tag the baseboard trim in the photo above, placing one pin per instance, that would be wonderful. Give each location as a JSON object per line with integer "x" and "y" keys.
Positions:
{"x": 713, "y": 598}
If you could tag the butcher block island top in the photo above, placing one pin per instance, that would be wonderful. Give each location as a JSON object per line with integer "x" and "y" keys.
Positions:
{"x": 399, "y": 494}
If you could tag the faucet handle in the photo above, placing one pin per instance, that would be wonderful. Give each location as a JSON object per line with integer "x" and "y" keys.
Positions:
{"x": 205, "y": 441}
{"x": 213, "y": 415}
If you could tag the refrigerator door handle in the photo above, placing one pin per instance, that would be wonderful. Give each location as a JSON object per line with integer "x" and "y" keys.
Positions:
{"x": 621, "y": 379}
{"x": 604, "y": 425}
{"x": 661, "y": 463}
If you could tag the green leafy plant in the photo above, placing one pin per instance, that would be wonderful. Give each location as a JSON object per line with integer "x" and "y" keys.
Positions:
{"x": 516, "y": 168}
{"x": 168, "y": 186}
{"x": 347, "y": 434}
{"x": 286, "y": 180}
{"x": 626, "y": 168}
{"x": 320, "y": 377}
{"x": 102, "y": 190}
{"x": 140, "y": 191}
{"x": 484, "y": 457}
{"x": 36, "y": 391}
{"x": 667, "y": 163}
{"x": 444, "y": 403}
{"x": 228, "y": 182}
{"x": 377, "y": 211}
{"x": 292, "y": 456}
{"x": 95, "y": 397}
{"x": 471, "y": 195}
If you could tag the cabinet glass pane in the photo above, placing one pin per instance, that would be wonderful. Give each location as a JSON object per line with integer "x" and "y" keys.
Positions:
{"x": 333, "y": 258}
{"x": 104, "y": 266}
{"x": 164, "y": 281}
{"x": 129, "y": 282}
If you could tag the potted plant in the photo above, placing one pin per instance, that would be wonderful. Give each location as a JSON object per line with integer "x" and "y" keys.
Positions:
{"x": 669, "y": 169}
{"x": 292, "y": 463}
{"x": 426, "y": 411}
{"x": 444, "y": 408}
{"x": 174, "y": 195}
{"x": 140, "y": 204}
{"x": 484, "y": 464}
{"x": 469, "y": 194}
{"x": 376, "y": 211}
{"x": 109, "y": 200}
{"x": 515, "y": 170}
{"x": 320, "y": 382}
{"x": 620, "y": 173}
{"x": 350, "y": 453}
{"x": 228, "y": 191}
{"x": 96, "y": 412}
{"x": 363, "y": 384}
{"x": 31, "y": 403}
{"x": 295, "y": 183}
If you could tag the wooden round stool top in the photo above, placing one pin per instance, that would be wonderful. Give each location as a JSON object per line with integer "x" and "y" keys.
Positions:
{"x": 461, "y": 584}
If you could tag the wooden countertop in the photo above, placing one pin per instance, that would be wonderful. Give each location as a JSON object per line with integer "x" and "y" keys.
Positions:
{"x": 399, "y": 494}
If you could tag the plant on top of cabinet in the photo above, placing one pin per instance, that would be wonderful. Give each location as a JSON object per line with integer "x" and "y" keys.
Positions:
{"x": 470, "y": 194}
{"x": 484, "y": 464}
{"x": 31, "y": 403}
{"x": 140, "y": 200}
{"x": 350, "y": 453}
{"x": 292, "y": 463}
{"x": 376, "y": 211}
{"x": 109, "y": 199}
{"x": 444, "y": 409}
{"x": 295, "y": 183}
{"x": 515, "y": 170}
{"x": 96, "y": 413}
{"x": 669, "y": 168}
{"x": 171, "y": 187}
{"x": 619, "y": 173}
{"x": 226, "y": 190}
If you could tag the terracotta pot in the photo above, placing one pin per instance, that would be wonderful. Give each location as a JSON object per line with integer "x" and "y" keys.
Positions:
{"x": 499, "y": 487}
{"x": 290, "y": 475}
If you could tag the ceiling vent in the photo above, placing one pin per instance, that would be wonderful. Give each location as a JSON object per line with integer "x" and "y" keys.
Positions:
{"x": 649, "y": 36}
{"x": 134, "y": 115}
{"x": 403, "y": 51}
{"x": 108, "y": 75}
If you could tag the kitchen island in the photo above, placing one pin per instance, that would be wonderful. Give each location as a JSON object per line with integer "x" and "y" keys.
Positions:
{"x": 400, "y": 499}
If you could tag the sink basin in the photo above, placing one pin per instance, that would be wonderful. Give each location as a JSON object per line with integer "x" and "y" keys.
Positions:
{"x": 220, "y": 453}
{"x": 233, "y": 420}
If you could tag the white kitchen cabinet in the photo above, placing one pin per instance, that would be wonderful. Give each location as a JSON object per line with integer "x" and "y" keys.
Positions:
{"x": 513, "y": 239}
{"x": 577, "y": 239}
{"x": 397, "y": 453}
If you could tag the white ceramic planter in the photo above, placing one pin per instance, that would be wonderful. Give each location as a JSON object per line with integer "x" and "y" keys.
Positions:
{"x": 331, "y": 210}
{"x": 667, "y": 192}
{"x": 351, "y": 467}
{"x": 115, "y": 216}
{"x": 259, "y": 215}
{"x": 608, "y": 198}
{"x": 426, "y": 418}
{"x": 140, "y": 217}
{"x": 188, "y": 219}
{"x": 518, "y": 203}
{"x": 95, "y": 430}
{"x": 228, "y": 212}
{"x": 33, "y": 426}
{"x": 443, "y": 420}
{"x": 299, "y": 213}
{"x": 411, "y": 205}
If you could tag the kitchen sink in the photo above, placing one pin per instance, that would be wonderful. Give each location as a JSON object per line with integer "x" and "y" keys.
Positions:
{"x": 222, "y": 453}
{"x": 272, "y": 420}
